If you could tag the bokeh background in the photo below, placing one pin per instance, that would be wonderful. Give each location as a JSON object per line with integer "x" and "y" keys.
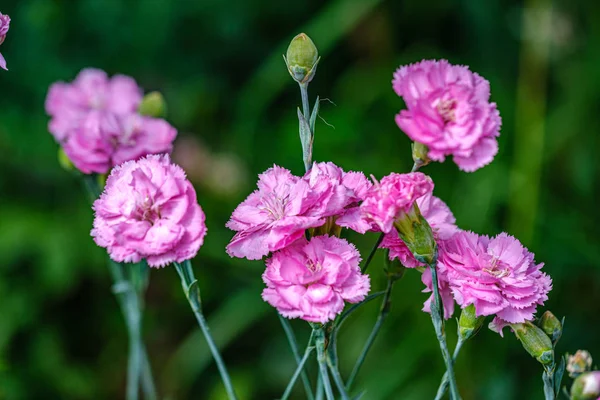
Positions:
{"x": 220, "y": 68}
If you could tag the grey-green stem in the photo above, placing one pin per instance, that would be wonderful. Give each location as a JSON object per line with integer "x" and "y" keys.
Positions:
{"x": 192, "y": 292}
{"x": 321, "y": 358}
{"x": 289, "y": 333}
{"x": 437, "y": 317}
{"x": 444, "y": 384}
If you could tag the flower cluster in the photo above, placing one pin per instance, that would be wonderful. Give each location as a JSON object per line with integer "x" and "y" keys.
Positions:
{"x": 448, "y": 110}
{"x": 95, "y": 119}
{"x": 4, "y": 25}
{"x": 305, "y": 279}
{"x": 149, "y": 210}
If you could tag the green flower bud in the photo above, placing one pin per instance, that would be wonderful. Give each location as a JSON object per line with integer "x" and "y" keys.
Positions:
{"x": 469, "y": 323}
{"x": 302, "y": 58}
{"x": 579, "y": 363}
{"x": 64, "y": 161}
{"x": 535, "y": 341}
{"x": 551, "y": 325}
{"x": 419, "y": 154}
{"x": 586, "y": 386}
{"x": 153, "y": 105}
{"x": 416, "y": 233}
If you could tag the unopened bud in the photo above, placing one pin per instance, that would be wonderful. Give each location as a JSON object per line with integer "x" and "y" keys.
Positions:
{"x": 419, "y": 154}
{"x": 469, "y": 323}
{"x": 579, "y": 363}
{"x": 586, "y": 386}
{"x": 551, "y": 325}
{"x": 64, "y": 161}
{"x": 535, "y": 341}
{"x": 302, "y": 58}
{"x": 393, "y": 268}
{"x": 416, "y": 233}
{"x": 153, "y": 105}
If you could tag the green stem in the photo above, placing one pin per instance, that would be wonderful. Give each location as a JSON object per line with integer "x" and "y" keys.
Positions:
{"x": 307, "y": 141}
{"x": 383, "y": 312}
{"x": 444, "y": 384}
{"x": 437, "y": 316}
{"x": 289, "y": 333}
{"x": 548, "y": 379}
{"x": 129, "y": 301}
{"x": 321, "y": 357}
{"x": 192, "y": 292}
{"x": 372, "y": 253}
{"x": 300, "y": 370}
{"x": 337, "y": 378}
{"x": 320, "y": 393}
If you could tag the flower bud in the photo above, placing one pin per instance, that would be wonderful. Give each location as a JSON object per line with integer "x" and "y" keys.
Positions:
{"x": 302, "y": 58}
{"x": 586, "y": 386}
{"x": 551, "y": 325}
{"x": 469, "y": 323}
{"x": 153, "y": 105}
{"x": 416, "y": 233}
{"x": 579, "y": 363}
{"x": 419, "y": 154}
{"x": 63, "y": 160}
{"x": 535, "y": 341}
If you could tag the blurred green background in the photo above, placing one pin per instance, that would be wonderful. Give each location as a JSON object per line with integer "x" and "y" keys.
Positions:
{"x": 219, "y": 65}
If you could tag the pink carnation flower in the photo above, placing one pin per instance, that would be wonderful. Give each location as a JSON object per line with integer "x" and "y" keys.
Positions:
{"x": 92, "y": 90}
{"x": 149, "y": 210}
{"x": 284, "y": 206}
{"x": 498, "y": 276}
{"x": 4, "y": 25}
{"x": 312, "y": 280}
{"x": 439, "y": 217}
{"x": 338, "y": 193}
{"x": 103, "y": 140}
{"x": 449, "y": 112}
{"x": 394, "y": 195}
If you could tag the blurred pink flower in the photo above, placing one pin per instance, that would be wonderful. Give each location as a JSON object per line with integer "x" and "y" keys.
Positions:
{"x": 4, "y": 25}
{"x": 284, "y": 206}
{"x": 449, "y": 112}
{"x": 498, "y": 276}
{"x": 440, "y": 218}
{"x": 101, "y": 141}
{"x": 312, "y": 279}
{"x": 149, "y": 210}
{"x": 394, "y": 195}
{"x": 92, "y": 90}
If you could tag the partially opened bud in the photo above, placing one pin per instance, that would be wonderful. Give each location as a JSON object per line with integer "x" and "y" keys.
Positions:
{"x": 419, "y": 154}
{"x": 551, "y": 325}
{"x": 416, "y": 233}
{"x": 586, "y": 386}
{"x": 469, "y": 323}
{"x": 302, "y": 58}
{"x": 153, "y": 105}
{"x": 579, "y": 363}
{"x": 535, "y": 341}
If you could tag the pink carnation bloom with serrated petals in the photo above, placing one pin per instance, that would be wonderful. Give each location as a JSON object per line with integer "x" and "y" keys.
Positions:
{"x": 4, "y": 26}
{"x": 92, "y": 90}
{"x": 448, "y": 110}
{"x": 103, "y": 140}
{"x": 337, "y": 193}
{"x": 284, "y": 206}
{"x": 312, "y": 279}
{"x": 498, "y": 276}
{"x": 440, "y": 218}
{"x": 393, "y": 195}
{"x": 149, "y": 210}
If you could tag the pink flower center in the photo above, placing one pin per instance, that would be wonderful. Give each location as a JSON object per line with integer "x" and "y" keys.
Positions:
{"x": 146, "y": 210}
{"x": 274, "y": 205}
{"x": 495, "y": 270}
{"x": 447, "y": 109}
{"x": 313, "y": 267}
